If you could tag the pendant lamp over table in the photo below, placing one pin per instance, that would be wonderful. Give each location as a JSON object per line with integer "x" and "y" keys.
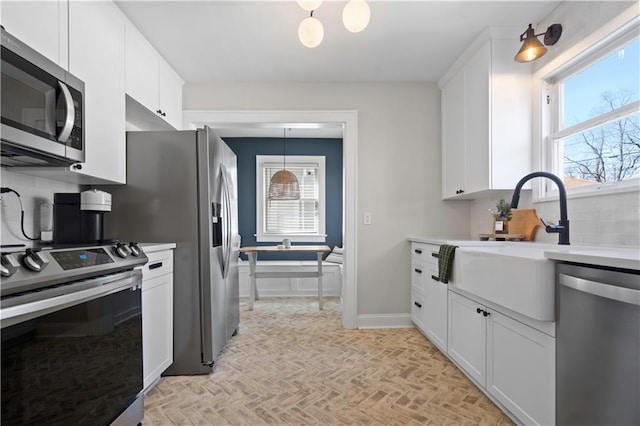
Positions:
{"x": 284, "y": 184}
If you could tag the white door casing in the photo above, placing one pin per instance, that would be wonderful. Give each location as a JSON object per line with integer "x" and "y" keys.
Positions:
{"x": 193, "y": 119}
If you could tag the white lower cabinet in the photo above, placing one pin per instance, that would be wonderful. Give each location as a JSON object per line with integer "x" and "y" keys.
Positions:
{"x": 468, "y": 336}
{"x": 511, "y": 361}
{"x": 157, "y": 315}
{"x": 429, "y": 295}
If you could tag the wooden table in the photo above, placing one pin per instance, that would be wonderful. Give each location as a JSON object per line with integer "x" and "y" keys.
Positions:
{"x": 252, "y": 252}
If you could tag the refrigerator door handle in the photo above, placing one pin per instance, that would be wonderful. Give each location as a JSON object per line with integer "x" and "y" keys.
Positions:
{"x": 227, "y": 223}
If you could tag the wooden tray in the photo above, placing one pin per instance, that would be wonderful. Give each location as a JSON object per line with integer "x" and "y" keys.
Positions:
{"x": 522, "y": 227}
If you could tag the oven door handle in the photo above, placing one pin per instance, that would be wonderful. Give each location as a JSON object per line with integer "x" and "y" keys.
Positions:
{"x": 70, "y": 113}
{"x": 72, "y": 294}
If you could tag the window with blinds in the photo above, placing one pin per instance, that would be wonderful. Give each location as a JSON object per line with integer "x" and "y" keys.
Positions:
{"x": 293, "y": 216}
{"x": 300, "y": 220}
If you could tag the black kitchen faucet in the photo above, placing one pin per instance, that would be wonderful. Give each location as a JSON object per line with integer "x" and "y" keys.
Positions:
{"x": 562, "y": 228}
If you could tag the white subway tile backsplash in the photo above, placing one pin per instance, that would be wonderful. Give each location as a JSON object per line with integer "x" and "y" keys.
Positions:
{"x": 33, "y": 191}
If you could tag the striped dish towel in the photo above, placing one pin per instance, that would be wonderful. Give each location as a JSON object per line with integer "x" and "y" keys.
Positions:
{"x": 445, "y": 262}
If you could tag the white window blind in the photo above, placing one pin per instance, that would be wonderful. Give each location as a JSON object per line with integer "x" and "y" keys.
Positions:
{"x": 300, "y": 220}
{"x": 293, "y": 216}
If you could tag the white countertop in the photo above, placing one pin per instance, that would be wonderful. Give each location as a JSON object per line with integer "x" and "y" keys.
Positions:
{"x": 457, "y": 241}
{"x": 153, "y": 247}
{"x": 612, "y": 257}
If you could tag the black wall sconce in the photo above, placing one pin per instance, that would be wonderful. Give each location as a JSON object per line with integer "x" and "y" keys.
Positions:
{"x": 532, "y": 49}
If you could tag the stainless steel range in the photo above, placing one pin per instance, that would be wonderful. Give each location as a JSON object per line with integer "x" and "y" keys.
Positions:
{"x": 71, "y": 324}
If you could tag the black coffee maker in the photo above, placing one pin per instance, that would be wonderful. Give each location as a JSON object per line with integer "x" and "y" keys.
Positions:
{"x": 78, "y": 218}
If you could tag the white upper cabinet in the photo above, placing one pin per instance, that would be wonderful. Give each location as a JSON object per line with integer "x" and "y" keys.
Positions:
{"x": 42, "y": 25}
{"x": 150, "y": 80}
{"x": 486, "y": 118}
{"x": 96, "y": 56}
{"x": 170, "y": 94}
{"x": 141, "y": 69}
{"x": 453, "y": 165}
{"x": 93, "y": 49}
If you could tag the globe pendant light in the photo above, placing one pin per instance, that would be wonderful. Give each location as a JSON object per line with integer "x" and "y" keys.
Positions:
{"x": 356, "y": 15}
{"x": 310, "y": 31}
{"x": 284, "y": 184}
{"x": 309, "y": 5}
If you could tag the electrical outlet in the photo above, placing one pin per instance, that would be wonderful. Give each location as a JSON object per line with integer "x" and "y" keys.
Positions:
{"x": 367, "y": 218}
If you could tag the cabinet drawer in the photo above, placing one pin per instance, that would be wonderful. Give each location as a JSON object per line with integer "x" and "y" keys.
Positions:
{"x": 422, "y": 274}
{"x": 425, "y": 253}
{"x": 418, "y": 308}
{"x": 160, "y": 263}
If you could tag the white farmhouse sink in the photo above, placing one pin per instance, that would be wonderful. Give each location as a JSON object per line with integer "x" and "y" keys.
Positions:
{"x": 516, "y": 276}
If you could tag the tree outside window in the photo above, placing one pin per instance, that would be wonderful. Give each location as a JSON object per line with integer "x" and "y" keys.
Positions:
{"x": 598, "y": 121}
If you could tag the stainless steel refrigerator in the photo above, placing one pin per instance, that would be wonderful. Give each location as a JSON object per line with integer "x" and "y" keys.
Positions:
{"x": 181, "y": 187}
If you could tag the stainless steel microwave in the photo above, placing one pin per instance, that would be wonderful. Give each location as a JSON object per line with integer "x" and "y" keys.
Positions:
{"x": 42, "y": 109}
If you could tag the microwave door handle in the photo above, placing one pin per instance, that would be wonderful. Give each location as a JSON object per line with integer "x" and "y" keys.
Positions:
{"x": 70, "y": 110}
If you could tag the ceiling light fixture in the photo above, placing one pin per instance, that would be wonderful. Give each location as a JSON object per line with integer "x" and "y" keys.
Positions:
{"x": 310, "y": 31}
{"x": 355, "y": 17}
{"x": 284, "y": 184}
{"x": 532, "y": 49}
{"x": 309, "y": 5}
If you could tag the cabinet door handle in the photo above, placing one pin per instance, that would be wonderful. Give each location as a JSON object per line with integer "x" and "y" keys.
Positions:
{"x": 436, "y": 255}
{"x": 435, "y": 278}
{"x": 418, "y": 251}
{"x": 155, "y": 265}
{"x": 418, "y": 270}
{"x": 485, "y": 313}
{"x": 479, "y": 310}
{"x": 419, "y": 305}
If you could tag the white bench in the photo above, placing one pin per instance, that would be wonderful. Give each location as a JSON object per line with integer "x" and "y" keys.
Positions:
{"x": 292, "y": 287}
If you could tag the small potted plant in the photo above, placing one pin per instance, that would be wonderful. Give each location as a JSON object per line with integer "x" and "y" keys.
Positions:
{"x": 501, "y": 216}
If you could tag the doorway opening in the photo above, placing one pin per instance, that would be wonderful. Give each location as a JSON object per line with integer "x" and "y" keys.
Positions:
{"x": 270, "y": 122}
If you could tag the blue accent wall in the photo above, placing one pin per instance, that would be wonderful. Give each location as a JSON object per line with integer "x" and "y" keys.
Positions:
{"x": 246, "y": 150}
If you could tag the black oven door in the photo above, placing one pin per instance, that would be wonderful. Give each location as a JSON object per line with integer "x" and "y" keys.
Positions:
{"x": 77, "y": 365}
{"x": 42, "y": 108}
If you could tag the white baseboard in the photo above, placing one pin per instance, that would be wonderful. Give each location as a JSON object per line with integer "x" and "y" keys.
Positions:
{"x": 384, "y": 321}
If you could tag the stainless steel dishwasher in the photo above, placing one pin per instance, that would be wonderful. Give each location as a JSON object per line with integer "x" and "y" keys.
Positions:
{"x": 597, "y": 346}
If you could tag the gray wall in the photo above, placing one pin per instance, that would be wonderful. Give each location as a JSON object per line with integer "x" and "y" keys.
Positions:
{"x": 398, "y": 169}
{"x": 246, "y": 150}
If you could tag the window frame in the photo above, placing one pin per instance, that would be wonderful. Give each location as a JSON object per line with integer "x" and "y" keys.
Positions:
{"x": 298, "y": 161}
{"x": 548, "y": 104}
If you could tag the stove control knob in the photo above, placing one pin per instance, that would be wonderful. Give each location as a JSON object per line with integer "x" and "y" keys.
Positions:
{"x": 135, "y": 250}
{"x": 8, "y": 265}
{"x": 122, "y": 250}
{"x": 34, "y": 260}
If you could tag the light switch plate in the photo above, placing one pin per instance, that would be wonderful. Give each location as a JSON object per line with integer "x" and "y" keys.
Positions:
{"x": 367, "y": 218}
